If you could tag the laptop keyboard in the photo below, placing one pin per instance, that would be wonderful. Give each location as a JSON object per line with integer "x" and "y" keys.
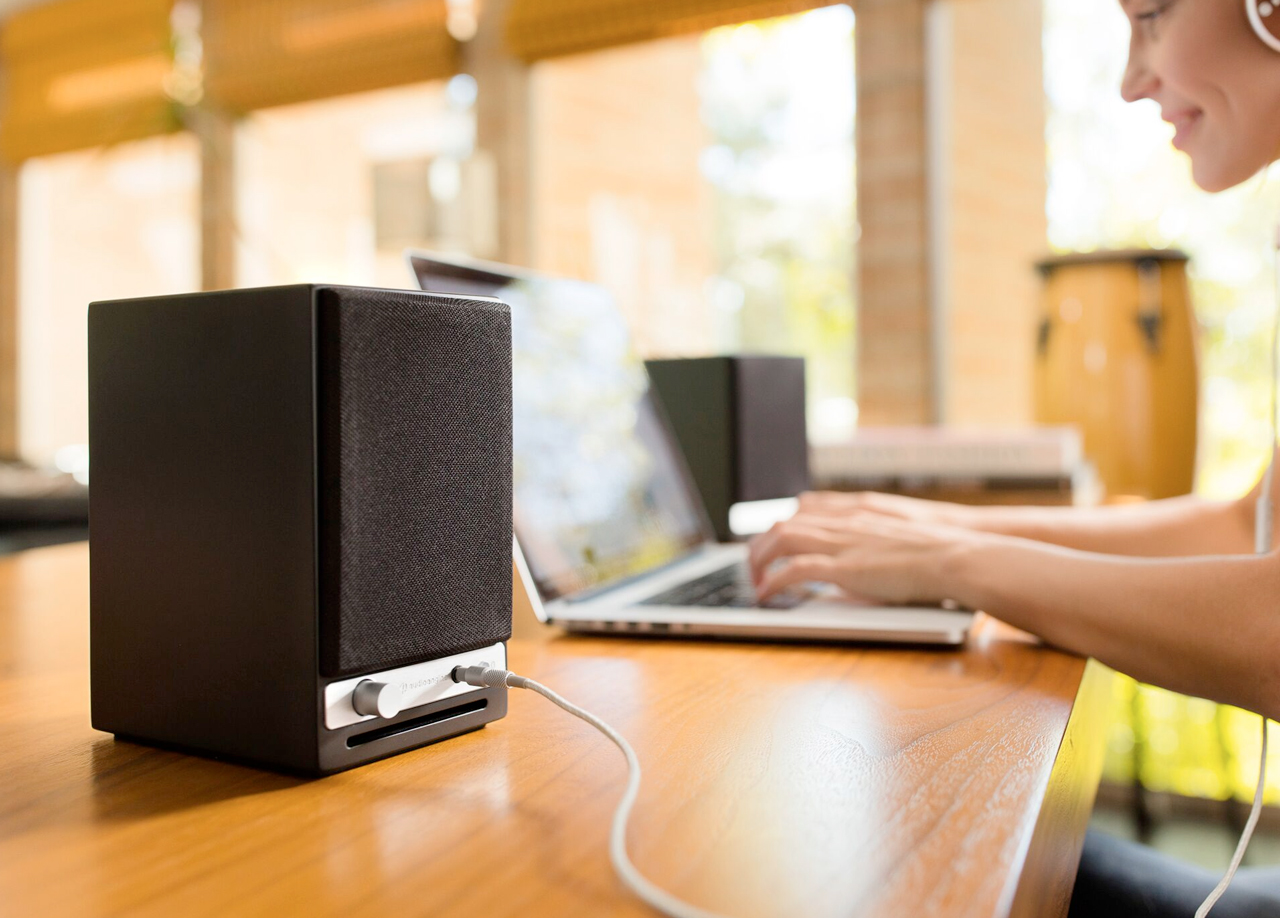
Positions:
{"x": 728, "y": 588}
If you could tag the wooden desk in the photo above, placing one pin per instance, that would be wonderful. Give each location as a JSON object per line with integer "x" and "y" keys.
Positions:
{"x": 779, "y": 781}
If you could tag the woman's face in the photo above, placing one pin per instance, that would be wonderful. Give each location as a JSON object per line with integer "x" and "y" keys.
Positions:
{"x": 1214, "y": 80}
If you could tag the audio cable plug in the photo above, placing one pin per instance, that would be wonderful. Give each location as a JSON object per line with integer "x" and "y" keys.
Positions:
{"x": 653, "y": 895}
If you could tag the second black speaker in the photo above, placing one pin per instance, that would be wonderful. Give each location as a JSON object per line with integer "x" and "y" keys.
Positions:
{"x": 740, "y": 423}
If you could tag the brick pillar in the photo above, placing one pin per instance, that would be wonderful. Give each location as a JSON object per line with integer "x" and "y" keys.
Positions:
{"x": 895, "y": 345}
{"x": 216, "y": 133}
{"x": 987, "y": 112}
{"x": 502, "y": 129}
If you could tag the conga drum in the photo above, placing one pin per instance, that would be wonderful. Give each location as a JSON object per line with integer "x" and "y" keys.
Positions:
{"x": 1116, "y": 357}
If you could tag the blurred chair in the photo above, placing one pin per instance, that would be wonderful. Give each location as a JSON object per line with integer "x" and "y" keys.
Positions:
{"x": 40, "y": 507}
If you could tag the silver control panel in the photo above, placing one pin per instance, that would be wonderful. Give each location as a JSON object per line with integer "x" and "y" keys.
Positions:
{"x": 416, "y": 685}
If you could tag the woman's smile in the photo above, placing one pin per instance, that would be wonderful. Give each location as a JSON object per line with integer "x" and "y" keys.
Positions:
{"x": 1184, "y": 122}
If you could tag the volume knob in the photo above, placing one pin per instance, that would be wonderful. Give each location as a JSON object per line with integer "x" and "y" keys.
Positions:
{"x": 382, "y": 699}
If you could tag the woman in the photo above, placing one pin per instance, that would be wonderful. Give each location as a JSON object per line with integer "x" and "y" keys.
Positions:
{"x": 1167, "y": 592}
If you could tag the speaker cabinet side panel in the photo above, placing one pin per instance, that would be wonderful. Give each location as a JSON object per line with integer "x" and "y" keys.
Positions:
{"x": 202, "y": 434}
{"x": 773, "y": 449}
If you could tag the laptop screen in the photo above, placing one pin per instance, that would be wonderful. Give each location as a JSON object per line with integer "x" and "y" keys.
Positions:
{"x": 601, "y": 494}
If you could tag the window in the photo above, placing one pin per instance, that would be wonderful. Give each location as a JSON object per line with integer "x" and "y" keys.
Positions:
{"x": 1115, "y": 181}
{"x": 335, "y": 190}
{"x": 106, "y": 223}
{"x": 708, "y": 183}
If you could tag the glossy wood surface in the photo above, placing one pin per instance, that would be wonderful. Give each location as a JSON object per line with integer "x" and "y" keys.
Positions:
{"x": 779, "y": 781}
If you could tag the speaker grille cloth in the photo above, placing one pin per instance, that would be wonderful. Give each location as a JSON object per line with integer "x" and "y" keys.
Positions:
{"x": 415, "y": 473}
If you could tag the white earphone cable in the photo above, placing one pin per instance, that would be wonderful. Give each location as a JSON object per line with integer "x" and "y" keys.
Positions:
{"x": 1249, "y": 826}
{"x": 1262, "y": 528}
{"x": 1262, "y": 515}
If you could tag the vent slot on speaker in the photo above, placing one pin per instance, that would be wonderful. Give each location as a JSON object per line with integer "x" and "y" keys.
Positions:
{"x": 426, "y": 720}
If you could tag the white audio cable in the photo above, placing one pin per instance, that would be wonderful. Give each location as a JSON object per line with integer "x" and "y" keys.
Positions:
{"x": 652, "y": 894}
{"x": 1262, "y": 525}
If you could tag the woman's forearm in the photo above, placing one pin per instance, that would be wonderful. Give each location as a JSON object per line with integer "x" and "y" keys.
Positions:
{"x": 1205, "y": 626}
{"x": 1176, "y": 527}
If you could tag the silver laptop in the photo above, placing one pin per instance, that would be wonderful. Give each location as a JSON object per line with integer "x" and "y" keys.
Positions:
{"x": 610, "y": 534}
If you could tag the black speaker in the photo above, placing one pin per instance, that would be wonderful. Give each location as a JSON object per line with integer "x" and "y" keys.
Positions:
{"x": 740, "y": 424}
{"x": 300, "y": 520}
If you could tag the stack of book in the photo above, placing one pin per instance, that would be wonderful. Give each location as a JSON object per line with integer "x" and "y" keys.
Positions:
{"x": 1038, "y": 465}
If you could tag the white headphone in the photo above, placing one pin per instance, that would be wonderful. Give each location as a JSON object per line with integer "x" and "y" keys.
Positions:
{"x": 1259, "y": 11}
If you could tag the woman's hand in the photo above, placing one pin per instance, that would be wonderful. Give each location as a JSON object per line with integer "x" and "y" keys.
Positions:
{"x": 868, "y": 555}
{"x": 847, "y": 504}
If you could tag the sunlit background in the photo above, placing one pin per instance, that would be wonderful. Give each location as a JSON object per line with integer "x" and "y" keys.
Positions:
{"x": 707, "y": 181}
